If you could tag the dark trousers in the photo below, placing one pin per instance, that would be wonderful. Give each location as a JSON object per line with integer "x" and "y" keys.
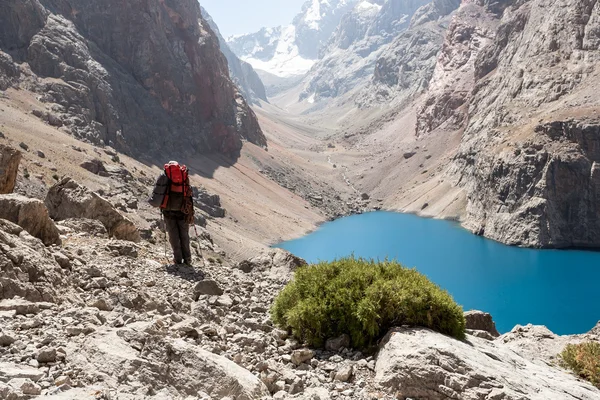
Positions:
{"x": 179, "y": 237}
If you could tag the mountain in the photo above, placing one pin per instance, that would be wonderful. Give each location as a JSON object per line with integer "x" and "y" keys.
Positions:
{"x": 406, "y": 66}
{"x": 164, "y": 89}
{"x": 503, "y": 122}
{"x": 351, "y": 54}
{"x": 529, "y": 157}
{"x": 292, "y": 50}
{"x": 242, "y": 73}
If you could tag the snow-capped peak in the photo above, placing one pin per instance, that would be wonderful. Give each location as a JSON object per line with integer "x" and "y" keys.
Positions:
{"x": 292, "y": 49}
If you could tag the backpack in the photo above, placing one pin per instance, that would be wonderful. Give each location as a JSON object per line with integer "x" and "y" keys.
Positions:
{"x": 179, "y": 183}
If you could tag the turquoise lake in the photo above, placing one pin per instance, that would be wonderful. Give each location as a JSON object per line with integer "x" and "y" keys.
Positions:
{"x": 556, "y": 288}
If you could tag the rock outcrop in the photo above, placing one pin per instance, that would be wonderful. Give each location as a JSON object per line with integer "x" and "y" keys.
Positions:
{"x": 166, "y": 88}
{"x": 418, "y": 363}
{"x": 481, "y": 321}
{"x": 9, "y": 166}
{"x": 31, "y": 215}
{"x": 242, "y": 73}
{"x": 352, "y": 51}
{"x": 529, "y": 154}
{"x": 67, "y": 199}
{"x": 472, "y": 28}
{"x": 27, "y": 268}
{"x": 406, "y": 66}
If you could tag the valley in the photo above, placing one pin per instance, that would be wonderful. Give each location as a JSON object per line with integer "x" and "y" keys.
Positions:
{"x": 483, "y": 113}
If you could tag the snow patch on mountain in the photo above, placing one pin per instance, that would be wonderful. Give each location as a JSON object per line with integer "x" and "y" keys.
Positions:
{"x": 292, "y": 50}
{"x": 286, "y": 60}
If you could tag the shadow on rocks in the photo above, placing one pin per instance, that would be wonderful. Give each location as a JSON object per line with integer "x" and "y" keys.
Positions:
{"x": 186, "y": 272}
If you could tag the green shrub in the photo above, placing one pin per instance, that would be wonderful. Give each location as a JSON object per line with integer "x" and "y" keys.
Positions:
{"x": 363, "y": 299}
{"x": 584, "y": 360}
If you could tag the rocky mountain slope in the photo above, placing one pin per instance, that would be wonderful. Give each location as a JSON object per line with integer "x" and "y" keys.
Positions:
{"x": 164, "y": 89}
{"x": 358, "y": 42}
{"x": 533, "y": 122}
{"x": 484, "y": 114}
{"x": 291, "y": 50}
{"x": 242, "y": 73}
{"x": 102, "y": 318}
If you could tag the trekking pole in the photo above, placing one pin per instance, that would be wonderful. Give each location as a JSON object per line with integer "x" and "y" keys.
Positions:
{"x": 165, "y": 230}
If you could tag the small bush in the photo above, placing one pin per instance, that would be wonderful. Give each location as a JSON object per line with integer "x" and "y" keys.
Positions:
{"x": 55, "y": 177}
{"x": 363, "y": 299}
{"x": 584, "y": 360}
{"x": 26, "y": 174}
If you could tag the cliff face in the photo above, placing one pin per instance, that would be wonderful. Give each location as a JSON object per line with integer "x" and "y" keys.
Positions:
{"x": 361, "y": 37}
{"x": 142, "y": 75}
{"x": 529, "y": 156}
{"x": 406, "y": 67}
{"x": 242, "y": 73}
{"x": 520, "y": 78}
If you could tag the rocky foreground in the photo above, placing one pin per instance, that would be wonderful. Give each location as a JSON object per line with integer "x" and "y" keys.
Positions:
{"x": 87, "y": 315}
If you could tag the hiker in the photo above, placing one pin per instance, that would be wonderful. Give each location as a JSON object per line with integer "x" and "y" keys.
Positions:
{"x": 173, "y": 195}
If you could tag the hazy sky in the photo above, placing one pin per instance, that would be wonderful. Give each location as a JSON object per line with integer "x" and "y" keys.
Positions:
{"x": 246, "y": 16}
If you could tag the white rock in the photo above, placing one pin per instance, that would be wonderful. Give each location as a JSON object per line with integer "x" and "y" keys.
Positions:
{"x": 419, "y": 363}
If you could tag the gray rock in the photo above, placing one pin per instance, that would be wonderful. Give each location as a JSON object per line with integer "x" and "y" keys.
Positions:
{"x": 62, "y": 260}
{"x": 10, "y": 371}
{"x": 344, "y": 374}
{"x": 31, "y": 215}
{"x": 95, "y": 166}
{"x": 481, "y": 321}
{"x": 20, "y": 306}
{"x": 85, "y": 225}
{"x": 336, "y": 344}
{"x": 207, "y": 287}
{"x": 419, "y": 363}
{"x": 302, "y": 355}
{"x": 67, "y": 199}
{"x": 46, "y": 355}
{"x": 9, "y": 167}
{"x": 110, "y": 101}
{"x": 26, "y": 386}
{"x": 6, "y": 340}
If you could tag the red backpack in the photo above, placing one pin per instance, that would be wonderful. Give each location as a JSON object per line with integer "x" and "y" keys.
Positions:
{"x": 178, "y": 181}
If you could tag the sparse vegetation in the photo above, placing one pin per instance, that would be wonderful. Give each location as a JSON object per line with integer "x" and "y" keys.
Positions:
{"x": 584, "y": 360}
{"x": 364, "y": 299}
{"x": 55, "y": 177}
{"x": 115, "y": 159}
{"x": 26, "y": 173}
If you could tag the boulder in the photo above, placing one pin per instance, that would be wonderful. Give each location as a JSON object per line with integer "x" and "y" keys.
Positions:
{"x": 95, "y": 166}
{"x": 27, "y": 268}
{"x": 9, "y": 371}
{"x": 277, "y": 263}
{"x": 481, "y": 321}
{"x": 9, "y": 165}
{"x": 85, "y": 225}
{"x": 174, "y": 364}
{"x": 31, "y": 215}
{"x": 344, "y": 374}
{"x": 419, "y": 363}
{"x": 302, "y": 355}
{"x": 336, "y": 344}
{"x": 67, "y": 199}
{"x": 207, "y": 287}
